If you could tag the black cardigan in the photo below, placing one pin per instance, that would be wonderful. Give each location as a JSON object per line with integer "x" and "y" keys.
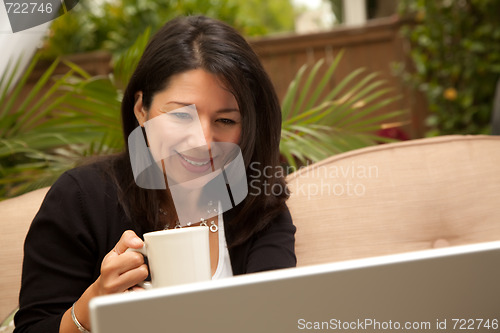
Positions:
{"x": 80, "y": 221}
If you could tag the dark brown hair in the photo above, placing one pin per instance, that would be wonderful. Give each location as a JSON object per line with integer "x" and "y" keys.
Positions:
{"x": 198, "y": 42}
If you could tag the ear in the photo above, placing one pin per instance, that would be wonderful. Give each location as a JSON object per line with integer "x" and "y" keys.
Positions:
{"x": 140, "y": 114}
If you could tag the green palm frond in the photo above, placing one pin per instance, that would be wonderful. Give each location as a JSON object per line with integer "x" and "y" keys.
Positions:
{"x": 125, "y": 63}
{"x": 37, "y": 123}
{"x": 60, "y": 120}
{"x": 319, "y": 121}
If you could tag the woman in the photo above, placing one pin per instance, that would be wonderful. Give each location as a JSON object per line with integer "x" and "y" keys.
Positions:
{"x": 76, "y": 247}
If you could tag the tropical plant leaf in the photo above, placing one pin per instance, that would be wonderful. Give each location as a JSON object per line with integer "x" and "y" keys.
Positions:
{"x": 125, "y": 63}
{"x": 345, "y": 118}
{"x": 287, "y": 107}
{"x": 324, "y": 80}
{"x": 74, "y": 113}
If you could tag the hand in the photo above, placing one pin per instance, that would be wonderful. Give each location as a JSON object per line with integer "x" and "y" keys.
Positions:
{"x": 122, "y": 270}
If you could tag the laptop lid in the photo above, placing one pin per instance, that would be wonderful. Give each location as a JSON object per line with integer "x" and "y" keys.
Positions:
{"x": 449, "y": 289}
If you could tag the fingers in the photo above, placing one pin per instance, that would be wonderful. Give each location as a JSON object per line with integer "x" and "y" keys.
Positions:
{"x": 128, "y": 239}
{"x": 121, "y": 270}
{"x": 135, "y": 288}
{"x": 119, "y": 283}
{"x": 115, "y": 265}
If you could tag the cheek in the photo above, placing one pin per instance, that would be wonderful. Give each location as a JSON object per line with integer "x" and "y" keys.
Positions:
{"x": 237, "y": 135}
{"x": 234, "y": 137}
{"x": 175, "y": 141}
{"x": 163, "y": 138}
{"x": 224, "y": 134}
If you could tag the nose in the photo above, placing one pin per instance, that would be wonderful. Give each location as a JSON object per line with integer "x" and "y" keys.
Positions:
{"x": 207, "y": 131}
{"x": 200, "y": 136}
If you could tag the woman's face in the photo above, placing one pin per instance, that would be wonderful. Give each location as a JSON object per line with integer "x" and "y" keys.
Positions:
{"x": 187, "y": 120}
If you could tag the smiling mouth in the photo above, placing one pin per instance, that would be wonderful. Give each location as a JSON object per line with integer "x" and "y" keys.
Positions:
{"x": 192, "y": 162}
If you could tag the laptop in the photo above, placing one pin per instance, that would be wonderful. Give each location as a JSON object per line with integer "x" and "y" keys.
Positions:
{"x": 439, "y": 290}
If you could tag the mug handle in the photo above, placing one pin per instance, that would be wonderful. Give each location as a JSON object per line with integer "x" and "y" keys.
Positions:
{"x": 144, "y": 284}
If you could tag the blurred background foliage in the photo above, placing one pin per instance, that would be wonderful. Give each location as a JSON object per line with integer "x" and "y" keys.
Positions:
{"x": 113, "y": 25}
{"x": 455, "y": 48}
{"x": 337, "y": 9}
{"x": 54, "y": 129}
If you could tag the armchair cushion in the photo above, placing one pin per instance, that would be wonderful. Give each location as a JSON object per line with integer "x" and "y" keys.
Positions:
{"x": 16, "y": 215}
{"x": 397, "y": 197}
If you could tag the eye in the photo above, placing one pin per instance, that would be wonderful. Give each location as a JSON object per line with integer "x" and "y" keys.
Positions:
{"x": 181, "y": 115}
{"x": 226, "y": 121}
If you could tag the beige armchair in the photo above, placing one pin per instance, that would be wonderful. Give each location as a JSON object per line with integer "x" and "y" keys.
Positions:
{"x": 374, "y": 201}
{"x": 16, "y": 215}
{"x": 399, "y": 197}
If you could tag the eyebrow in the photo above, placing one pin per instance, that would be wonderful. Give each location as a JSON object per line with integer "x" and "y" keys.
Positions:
{"x": 228, "y": 110}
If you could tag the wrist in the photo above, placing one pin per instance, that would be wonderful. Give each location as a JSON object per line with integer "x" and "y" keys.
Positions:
{"x": 80, "y": 311}
{"x": 77, "y": 323}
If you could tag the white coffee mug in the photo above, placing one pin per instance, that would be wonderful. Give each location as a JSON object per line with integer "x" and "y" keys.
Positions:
{"x": 177, "y": 256}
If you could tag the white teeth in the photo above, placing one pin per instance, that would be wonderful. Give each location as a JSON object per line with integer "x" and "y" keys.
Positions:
{"x": 193, "y": 162}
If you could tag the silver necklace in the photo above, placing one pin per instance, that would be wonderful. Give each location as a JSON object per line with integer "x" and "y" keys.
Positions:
{"x": 213, "y": 227}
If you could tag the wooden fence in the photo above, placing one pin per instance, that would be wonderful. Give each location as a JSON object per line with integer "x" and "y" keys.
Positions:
{"x": 374, "y": 46}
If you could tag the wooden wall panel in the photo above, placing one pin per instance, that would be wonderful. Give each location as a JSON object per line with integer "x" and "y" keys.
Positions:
{"x": 374, "y": 46}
